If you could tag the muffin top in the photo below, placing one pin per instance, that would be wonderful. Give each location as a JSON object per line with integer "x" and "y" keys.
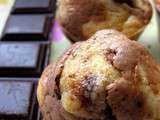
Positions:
{"x": 81, "y": 19}
{"x": 105, "y": 77}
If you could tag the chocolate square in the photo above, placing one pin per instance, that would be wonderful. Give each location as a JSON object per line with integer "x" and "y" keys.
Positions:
{"x": 27, "y": 28}
{"x": 22, "y": 59}
{"x": 15, "y": 100}
{"x": 34, "y": 6}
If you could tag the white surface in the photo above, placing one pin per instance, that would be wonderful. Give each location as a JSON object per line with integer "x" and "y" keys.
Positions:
{"x": 151, "y": 37}
{"x": 5, "y": 8}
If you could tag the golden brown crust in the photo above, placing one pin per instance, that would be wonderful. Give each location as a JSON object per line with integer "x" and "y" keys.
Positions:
{"x": 48, "y": 90}
{"x": 70, "y": 21}
{"x": 131, "y": 86}
{"x": 72, "y": 15}
{"x": 126, "y": 101}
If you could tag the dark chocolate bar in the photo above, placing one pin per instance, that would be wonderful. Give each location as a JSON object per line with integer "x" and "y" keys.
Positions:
{"x": 27, "y": 28}
{"x": 16, "y": 100}
{"x": 22, "y": 59}
{"x": 34, "y": 6}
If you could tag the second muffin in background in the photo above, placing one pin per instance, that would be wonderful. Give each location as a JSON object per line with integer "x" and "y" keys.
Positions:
{"x": 81, "y": 19}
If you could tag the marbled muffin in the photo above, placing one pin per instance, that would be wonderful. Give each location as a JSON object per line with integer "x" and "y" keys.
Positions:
{"x": 107, "y": 77}
{"x": 80, "y": 19}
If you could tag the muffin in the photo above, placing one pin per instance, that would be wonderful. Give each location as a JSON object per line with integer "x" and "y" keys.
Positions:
{"x": 107, "y": 77}
{"x": 80, "y": 19}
